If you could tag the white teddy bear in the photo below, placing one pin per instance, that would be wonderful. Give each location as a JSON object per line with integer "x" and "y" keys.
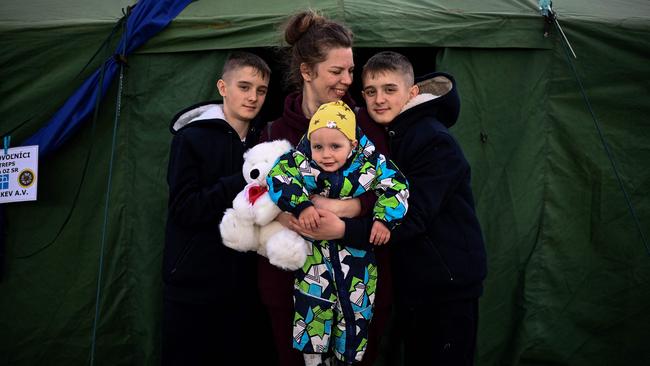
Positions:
{"x": 250, "y": 225}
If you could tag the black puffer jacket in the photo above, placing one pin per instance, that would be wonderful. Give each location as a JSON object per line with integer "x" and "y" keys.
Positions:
{"x": 204, "y": 176}
{"x": 438, "y": 252}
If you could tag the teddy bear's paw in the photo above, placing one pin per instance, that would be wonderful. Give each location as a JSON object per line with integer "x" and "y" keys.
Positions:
{"x": 287, "y": 250}
{"x": 266, "y": 232}
{"x": 242, "y": 207}
{"x": 265, "y": 210}
{"x": 238, "y": 234}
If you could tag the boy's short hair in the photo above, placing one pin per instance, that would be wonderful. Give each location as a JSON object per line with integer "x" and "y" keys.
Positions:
{"x": 389, "y": 61}
{"x": 239, "y": 59}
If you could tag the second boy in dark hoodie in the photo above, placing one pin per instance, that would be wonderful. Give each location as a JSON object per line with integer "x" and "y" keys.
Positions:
{"x": 438, "y": 254}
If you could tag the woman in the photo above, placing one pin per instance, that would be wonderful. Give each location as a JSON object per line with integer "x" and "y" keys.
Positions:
{"x": 321, "y": 66}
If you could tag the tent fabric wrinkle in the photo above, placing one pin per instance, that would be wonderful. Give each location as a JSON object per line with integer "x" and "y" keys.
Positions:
{"x": 144, "y": 20}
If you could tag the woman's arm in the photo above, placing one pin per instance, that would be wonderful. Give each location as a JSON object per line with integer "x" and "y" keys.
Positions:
{"x": 340, "y": 208}
{"x": 331, "y": 227}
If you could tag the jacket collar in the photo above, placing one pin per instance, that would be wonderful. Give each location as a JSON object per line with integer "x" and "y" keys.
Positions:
{"x": 199, "y": 112}
{"x": 438, "y": 99}
{"x": 413, "y": 113}
{"x": 211, "y": 113}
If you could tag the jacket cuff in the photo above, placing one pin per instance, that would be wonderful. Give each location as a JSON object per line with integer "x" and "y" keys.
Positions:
{"x": 357, "y": 233}
{"x": 390, "y": 225}
{"x": 301, "y": 206}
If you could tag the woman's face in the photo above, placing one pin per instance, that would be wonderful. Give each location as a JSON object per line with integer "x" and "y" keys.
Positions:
{"x": 328, "y": 81}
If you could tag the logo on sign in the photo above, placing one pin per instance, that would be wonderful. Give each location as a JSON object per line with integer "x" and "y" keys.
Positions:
{"x": 4, "y": 181}
{"x": 26, "y": 178}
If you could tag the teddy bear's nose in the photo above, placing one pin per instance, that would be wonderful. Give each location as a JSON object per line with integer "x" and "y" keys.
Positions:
{"x": 254, "y": 173}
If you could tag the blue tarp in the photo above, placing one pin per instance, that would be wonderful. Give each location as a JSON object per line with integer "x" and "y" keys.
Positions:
{"x": 146, "y": 19}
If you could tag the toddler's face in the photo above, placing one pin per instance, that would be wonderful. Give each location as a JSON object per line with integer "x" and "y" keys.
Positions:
{"x": 330, "y": 148}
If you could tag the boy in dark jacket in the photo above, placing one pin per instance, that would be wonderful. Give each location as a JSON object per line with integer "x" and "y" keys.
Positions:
{"x": 210, "y": 292}
{"x": 438, "y": 254}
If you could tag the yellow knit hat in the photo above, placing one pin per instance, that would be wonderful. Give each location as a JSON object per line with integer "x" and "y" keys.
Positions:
{"x": 334, "y": 115}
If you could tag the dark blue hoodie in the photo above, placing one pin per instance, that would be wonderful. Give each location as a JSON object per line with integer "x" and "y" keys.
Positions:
{"x": 438, "y": 252}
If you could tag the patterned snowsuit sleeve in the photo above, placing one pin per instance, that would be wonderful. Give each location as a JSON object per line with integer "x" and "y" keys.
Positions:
{"x": 286, "y": 185}
{"x": 392, "y": 189}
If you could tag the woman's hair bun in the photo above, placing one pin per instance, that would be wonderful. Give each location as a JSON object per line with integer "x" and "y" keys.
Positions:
{"x": 300, "y": 23}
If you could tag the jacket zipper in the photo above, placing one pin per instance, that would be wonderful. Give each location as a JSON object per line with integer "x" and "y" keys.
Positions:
{"x": 390, "y": 134}
{"x": 442, "y": 260}
{"x": 344, "y": 300}
{"x": 181, "y": 257}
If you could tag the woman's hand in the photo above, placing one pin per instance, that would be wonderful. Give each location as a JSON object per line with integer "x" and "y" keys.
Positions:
{"x": 341, "y": 208}
{"x": 289, "y": 221}
{"x": 330, "y": 228}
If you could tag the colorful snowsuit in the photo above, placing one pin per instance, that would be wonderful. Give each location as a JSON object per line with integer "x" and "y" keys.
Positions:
{"x": 334, "y": 291}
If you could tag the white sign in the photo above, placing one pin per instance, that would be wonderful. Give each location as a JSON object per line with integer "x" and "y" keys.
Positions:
{"x": 18, "y": 173}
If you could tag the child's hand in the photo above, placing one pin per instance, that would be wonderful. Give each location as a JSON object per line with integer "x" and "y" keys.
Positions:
{"x": 309, "y": 218}
{"x": 379, "y": 234}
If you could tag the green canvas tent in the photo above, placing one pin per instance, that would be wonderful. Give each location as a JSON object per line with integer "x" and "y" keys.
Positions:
{"x": 569, "y": 268}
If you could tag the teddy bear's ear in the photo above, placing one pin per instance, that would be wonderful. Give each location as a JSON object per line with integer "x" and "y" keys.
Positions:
{"x": 248, "y": 153}
{"x": 284, "y": 145}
